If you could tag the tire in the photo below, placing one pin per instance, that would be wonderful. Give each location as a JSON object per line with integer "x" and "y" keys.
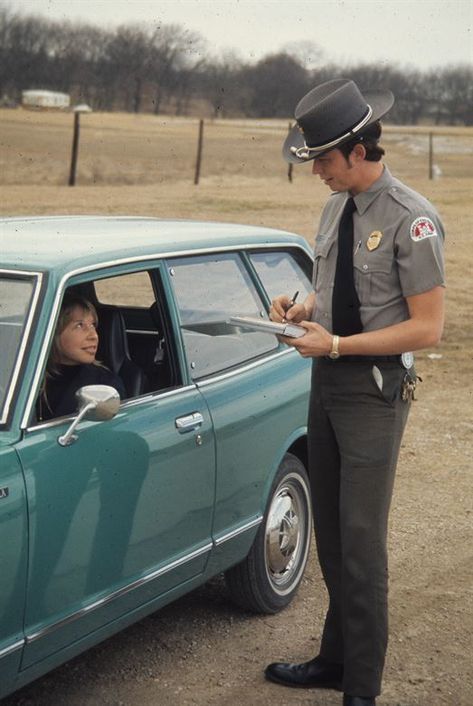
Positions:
{"x": 267, "y": 580}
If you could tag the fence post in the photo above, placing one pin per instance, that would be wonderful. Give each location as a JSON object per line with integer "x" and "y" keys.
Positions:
{"x": 75, "y": 150}
{"x": 431, "y": 155}
{"x": 289, "y": 169}
{"x": 199, "y": 152}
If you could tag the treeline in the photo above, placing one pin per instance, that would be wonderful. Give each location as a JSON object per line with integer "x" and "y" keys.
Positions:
{"x": 167, "y": 69}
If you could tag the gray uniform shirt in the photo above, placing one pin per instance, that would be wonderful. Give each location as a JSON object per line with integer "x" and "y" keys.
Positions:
{"x": 398, "y": 252}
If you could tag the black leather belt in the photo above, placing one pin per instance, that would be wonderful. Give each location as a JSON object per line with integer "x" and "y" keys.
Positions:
{"x": 365, "y": 359}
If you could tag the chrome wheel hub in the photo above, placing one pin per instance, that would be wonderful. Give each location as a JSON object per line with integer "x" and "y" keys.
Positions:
{"x": 287, "y": 535}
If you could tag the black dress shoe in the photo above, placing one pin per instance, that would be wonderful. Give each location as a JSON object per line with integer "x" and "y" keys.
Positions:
{"x": 358, "y": 700}
{"x": 316, "y": 674}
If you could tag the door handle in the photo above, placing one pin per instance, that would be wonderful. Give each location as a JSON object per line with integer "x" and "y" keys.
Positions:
{"x": 189, "y": 422}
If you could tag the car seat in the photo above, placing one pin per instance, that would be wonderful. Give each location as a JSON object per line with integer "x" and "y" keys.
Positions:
{"x": 113, "y": 351}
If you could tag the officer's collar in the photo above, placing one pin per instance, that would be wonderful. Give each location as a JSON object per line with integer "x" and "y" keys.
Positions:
{"x": 365, "y": 198}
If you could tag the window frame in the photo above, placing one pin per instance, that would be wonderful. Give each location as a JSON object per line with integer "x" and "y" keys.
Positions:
{"x": 11, "y": 393}
{"x": 154, "y": 267}
{"x": 131, "y": 264}
{"x": 244, "y": 254}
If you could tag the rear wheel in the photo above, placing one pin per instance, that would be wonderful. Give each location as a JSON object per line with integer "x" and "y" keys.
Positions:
{"x": 267, "y": 580}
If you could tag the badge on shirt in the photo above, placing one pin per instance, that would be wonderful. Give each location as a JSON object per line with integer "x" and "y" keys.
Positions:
{"x": 422, "y": 228}
{"x": 374, "y": 240}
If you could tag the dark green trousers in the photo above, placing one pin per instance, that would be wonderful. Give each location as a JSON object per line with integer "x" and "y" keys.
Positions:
{"x": 355, "y": 432}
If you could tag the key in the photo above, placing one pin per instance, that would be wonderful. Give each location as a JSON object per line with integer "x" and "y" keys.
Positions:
{"x": 408, "y": 388}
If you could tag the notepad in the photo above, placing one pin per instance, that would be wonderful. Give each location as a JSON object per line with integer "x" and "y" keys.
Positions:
{"x": 281, "y": 329}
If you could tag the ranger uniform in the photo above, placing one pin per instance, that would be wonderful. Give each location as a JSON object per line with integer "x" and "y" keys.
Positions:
{"x": 377, "y": 279}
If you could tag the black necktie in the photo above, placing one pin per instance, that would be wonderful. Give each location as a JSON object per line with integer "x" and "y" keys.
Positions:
{"x": 345, "y": 303}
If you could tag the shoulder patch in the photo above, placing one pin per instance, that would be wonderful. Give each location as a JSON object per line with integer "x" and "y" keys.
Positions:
{"x": 422, "y": 228}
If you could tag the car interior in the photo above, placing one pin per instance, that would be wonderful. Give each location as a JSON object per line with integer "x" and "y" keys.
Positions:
{"x": 133, "y": 344}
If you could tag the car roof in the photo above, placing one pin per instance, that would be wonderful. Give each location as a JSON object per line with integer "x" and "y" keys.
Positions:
{"x": 68, "y": 242}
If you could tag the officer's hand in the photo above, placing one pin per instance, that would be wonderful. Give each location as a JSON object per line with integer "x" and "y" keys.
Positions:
{"x": 316, "y": 343}
{"x": 282, "y": 309}
{"x": 279, "y": 306}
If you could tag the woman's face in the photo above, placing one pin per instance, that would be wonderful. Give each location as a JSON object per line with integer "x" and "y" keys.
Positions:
{"x": 78, "y": 341}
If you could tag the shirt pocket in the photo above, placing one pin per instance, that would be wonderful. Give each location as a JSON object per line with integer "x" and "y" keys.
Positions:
{"x": 323, "y": 274}
{"x": 373, "y": 273}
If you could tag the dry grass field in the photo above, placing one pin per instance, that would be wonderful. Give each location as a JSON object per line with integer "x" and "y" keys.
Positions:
{"x": 201, "y": 651}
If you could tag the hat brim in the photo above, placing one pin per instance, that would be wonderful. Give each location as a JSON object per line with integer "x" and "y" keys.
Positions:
{"x": 379, "y": 101}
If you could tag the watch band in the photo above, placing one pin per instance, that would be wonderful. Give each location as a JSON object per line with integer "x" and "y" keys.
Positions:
{"x": 335, "y": 353}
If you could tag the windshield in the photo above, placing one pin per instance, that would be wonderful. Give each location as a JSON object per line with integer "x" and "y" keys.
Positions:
{"x": 15, "y": 298}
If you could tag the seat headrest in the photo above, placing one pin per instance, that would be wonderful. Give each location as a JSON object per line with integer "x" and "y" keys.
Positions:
{"x": 113, "y": 345}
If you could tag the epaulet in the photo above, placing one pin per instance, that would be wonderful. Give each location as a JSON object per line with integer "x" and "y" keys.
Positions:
{"x": 408, "y": 198}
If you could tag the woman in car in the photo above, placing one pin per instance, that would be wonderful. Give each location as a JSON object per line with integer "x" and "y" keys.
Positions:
{"x": 72, "y": 363}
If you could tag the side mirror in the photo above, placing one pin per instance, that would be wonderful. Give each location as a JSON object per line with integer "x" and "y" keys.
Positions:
{"x": 95, "y": 402}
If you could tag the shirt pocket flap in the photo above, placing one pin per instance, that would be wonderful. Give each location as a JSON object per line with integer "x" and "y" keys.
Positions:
{"x": 322, "y": 247}
{"x": 369, "y": 262}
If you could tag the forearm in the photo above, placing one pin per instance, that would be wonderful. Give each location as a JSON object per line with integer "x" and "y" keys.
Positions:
{"x": 422, "y": 330}
{"x": 410, "y": 335}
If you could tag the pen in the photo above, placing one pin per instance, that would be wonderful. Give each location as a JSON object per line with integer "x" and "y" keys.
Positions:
{"x": 293, "y": 300}
{"x": 358, "y": 246}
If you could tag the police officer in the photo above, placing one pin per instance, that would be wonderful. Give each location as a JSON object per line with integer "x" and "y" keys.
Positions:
{"x": 378, "y": 294}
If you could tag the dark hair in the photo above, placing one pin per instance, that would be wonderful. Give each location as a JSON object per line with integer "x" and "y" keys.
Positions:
{"x": 369, "y": 138}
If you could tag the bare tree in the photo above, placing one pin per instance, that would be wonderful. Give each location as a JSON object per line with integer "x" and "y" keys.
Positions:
{"x": 456, "y": 94}
{"x": 168, "y": 65}
{"x": 220, "y": 85}
{"x": 273, "y": 86}
{"x": 306, "y": 52}
{"x": 128, "y": 55}
{"x": 23, "y": 51}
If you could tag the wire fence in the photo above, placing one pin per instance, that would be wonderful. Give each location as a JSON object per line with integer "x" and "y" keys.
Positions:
{"x": 117, "y": 148}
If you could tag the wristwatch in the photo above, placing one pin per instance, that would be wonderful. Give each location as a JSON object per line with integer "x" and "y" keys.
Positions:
{"x": 335, "y": 353}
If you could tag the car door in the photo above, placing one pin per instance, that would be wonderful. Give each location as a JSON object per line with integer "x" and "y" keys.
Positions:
{"x": 256, "y": 388}
{"x": 119, "y": 517}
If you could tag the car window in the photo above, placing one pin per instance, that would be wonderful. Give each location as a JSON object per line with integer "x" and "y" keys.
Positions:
{"x": 208, "y": 290}
{"x": 134, "y": 347}
{"x": 134, "y": 289}
{"x": 283, "y": 272}
{"x": 15, "y": 297}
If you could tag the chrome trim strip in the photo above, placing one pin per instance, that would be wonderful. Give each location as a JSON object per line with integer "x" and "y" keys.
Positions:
{"x": 132, "y": 260}
{"x": 25, "y": 337}
{"x": 142, "y": 332}
{"x": 234, "y": 533}
{"x": 117, "y": 594}
{"x": 135, "y": 401}
{"x": 243, "y": 368}
{"x": 12, "y": 648}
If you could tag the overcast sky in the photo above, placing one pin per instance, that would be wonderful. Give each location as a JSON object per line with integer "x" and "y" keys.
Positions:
{"x": 419, "y": 33}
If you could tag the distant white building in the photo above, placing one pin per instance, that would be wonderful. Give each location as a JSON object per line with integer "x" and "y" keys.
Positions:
{"x": 45, "y": 100}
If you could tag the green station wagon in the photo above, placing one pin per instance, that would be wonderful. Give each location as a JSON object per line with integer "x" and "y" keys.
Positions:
{"x": 110, "y": 513}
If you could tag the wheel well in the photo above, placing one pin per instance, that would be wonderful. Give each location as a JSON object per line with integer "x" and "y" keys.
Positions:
{"x": 299, "y": 449}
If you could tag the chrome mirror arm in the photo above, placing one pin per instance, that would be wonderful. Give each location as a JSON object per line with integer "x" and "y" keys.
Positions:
{"x": 69, "y": 437}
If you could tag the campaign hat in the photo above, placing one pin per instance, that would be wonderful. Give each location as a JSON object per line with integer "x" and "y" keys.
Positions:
{"x": 329, "y": 115}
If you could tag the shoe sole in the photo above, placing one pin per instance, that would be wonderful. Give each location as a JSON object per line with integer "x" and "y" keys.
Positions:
{"x": 336, "y": 686}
